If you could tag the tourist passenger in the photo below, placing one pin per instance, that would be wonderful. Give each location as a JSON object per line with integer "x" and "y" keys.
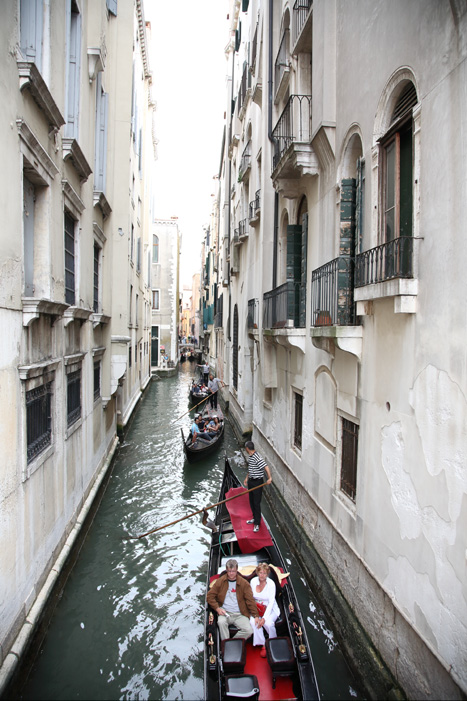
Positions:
{"x": 256, "y": 469}
{"x": 232, "y": 599}
{"x": 264, "y": 593}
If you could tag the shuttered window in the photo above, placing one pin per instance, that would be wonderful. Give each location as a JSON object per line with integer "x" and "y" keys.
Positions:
{"x": 69, "y": 259}
{"x": 349, "y": 458}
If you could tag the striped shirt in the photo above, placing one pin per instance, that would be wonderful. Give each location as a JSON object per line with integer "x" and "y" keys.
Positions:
{"x": 256, "y": 467}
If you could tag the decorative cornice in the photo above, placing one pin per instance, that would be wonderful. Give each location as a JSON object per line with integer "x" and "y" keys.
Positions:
{"x": 98, "y": 233}
{"x": 142, "y": 38}
{"x": 73, "y": 152}
{"x": 32, "y": 143}
{"x": 73, "y": 198}
{"x": 99, "y": 319}
{"x": 100, "y": 201}
{"x": 28, "y": 372}
{"x": 33, "y": 308}
{"x": 31, "y": 79}
{"x": 76, "y": 313}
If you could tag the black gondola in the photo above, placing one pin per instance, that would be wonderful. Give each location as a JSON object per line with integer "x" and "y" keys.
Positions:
{"x": 202, "y": 446}
{"x": 238, "y": 669}
{"x": 196, "y": 394}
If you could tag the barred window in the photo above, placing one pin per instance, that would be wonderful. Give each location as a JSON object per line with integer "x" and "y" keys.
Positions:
{"x": 73, "y": 397}
{"x": 69, "y": 259}
{"x": 349, "y": 458}
{"x": 97, "y": 380}
{"x": 298, "y": 420}
{"x": 38, "y": 419}
{"x": 97, "y": 251}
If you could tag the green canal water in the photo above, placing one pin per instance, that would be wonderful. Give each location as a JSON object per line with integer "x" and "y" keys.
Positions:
{"x": 129, "y": 621}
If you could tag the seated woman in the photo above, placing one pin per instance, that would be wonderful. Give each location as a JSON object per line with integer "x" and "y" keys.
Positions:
{"x": 264, "y": 592}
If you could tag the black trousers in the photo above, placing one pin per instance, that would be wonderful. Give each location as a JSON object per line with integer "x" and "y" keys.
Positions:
{"x": 213, "y": 400}
{"x": 255, "y": 499}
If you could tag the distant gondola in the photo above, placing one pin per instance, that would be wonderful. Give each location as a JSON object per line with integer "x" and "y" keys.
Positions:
{"x": 196, "y": 394}
{"x": 239, "y": 670}
{"x": 202, "y": 446}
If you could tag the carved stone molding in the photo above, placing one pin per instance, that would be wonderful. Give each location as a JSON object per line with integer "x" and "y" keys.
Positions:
{"x": 31, "y": 79}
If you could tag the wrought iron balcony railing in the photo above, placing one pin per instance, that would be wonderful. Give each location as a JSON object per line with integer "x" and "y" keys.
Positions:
{"x": 301, "y": 9}
{"x": 218, "y": 319}
{"x": 294, "y": 125}
{"x": 235, "y": 239}
{"x": 243, "y": 227}
{"x": 281, "y": 306}
{"x": 388, "y": 261}
{"x": 332, "y": 302}
{"x": 244, "y": 85}
{"x": 253, "y": 308}
{"x": 255, "y": 205}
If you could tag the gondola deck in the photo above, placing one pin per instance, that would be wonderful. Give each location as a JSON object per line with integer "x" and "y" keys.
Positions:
{"x": 234, "y": 539}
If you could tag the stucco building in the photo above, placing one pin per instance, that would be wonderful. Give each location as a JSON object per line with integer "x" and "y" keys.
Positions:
{"x": 76, "y": 117}
{"x": 341, "y": 256}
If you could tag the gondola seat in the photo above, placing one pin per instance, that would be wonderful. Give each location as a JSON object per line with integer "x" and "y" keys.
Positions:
{"x": 279, "y": 653}
{"x": 242, "y": 686}
{"x": 233, "y": 651}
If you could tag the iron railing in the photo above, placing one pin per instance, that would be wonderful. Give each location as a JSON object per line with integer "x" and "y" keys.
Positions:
{"x": 294, "y": 125}
{"x": 281, "y": 306}
{"x": 254, "y": 50}
{"x": 38, "y": 419}
{"x": 282, "y": 59}
{"x": 218, "y": 320}
{"x": 255, "y": 205}
{"x": 235, "y": 239}
{"x": 244, "y": 85}
{"x": 245, "y": 161}
{"x": 332, "y": 301}
{"x": 73, "y": 397}
{"x": 252, "y": 318}
{"x": 301, "y": 9}
{"x": 393, "y": 259}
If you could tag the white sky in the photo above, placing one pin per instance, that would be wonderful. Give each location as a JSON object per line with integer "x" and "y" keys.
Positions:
{"x": 189, "y": 68}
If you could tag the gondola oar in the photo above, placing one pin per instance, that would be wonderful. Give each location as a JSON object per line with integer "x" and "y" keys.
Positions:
{"x": 194, "y": 407}
{"x": 200, "y": 511}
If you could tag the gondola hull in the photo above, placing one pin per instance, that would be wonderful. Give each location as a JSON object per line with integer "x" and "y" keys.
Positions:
{"x": 299, "y": 680}
{"x": 202, "y": 447}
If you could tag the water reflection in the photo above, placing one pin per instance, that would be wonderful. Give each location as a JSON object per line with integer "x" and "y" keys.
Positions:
{"x": 129, "y": 622}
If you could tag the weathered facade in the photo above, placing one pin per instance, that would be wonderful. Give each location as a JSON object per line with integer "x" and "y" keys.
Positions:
{"x": 165, "y": 292}
{"x": 75, "y": 293}
{"x": 340, "y": 254}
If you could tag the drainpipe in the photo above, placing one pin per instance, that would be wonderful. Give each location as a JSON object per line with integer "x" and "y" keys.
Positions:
{"x": 270, "y": 137}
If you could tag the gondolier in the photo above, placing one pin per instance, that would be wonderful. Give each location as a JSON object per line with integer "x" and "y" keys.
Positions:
{"x": 214, "y": 385}
{"x": 205, "y": 371}
{"x": 256, "y": 469}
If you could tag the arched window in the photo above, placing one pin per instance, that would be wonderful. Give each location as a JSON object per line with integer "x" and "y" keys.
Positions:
{"x": 155, "y": 249}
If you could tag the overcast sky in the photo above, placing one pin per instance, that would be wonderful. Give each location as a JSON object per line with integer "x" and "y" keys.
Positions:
{"x": 189, "y": 69}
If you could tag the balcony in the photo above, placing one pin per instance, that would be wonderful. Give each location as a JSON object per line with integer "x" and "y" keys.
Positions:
{"x": 294, "y": 157}
{"x": 388, "y": 270}
{"x": 302, "y": 19}
{"x": 284, "y": 315}
{"x": 333, "y": 318}
{"x": 245, "y": 163}
{"x": 218, "y": 320}
{"x": 236, "y": 238}
{"x": 243, "y": 229}
{"x": 244, "y": 91}
{"x": 255, "y": 209}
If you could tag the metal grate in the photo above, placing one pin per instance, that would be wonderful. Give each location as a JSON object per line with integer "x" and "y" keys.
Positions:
{"x": 298, "y": 421}
{"x": 38, "y": 419}
{"x": 73, "y": 397}
{"x": 407, "y": 100}
{"x": 349, "y": 458}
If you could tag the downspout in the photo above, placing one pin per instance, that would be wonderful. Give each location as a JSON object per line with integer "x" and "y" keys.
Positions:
{"x": 271, "y": 139}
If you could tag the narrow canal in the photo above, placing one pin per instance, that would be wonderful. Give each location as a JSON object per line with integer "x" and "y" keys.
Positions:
{"x": 129, "y": 624}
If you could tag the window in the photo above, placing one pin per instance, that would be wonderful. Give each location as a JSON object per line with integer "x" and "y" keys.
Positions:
{"x": 298, "y": 420}
{"x": 137, "y": 310}
{"x": 31, "y": 21}
{"x": 102, "y": 104}
{"x": 397, "y": 170}
{"x": 155, "y": 299}
{"x": 155, "y": 249}
{"x": 138, "y": 255}
{"x": 39, "y": 419}
{"x": 130, "y": 311}
{"x": 112, "y": 6}
{"x": 73, "y": 396}
{"x": 29, "y": 199}
{"x": 73, "y": 75}
{"x": 69, "y": 259}
{"x": 348, "y": 479}
{"x": 132, "y": 239}
{"x": 129, "y": 356}
{"x": 97, "y": 252}
{"x": 97, "y": 379}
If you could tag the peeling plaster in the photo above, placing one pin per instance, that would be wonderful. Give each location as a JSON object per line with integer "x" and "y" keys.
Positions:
{"x": 434, "y": 600}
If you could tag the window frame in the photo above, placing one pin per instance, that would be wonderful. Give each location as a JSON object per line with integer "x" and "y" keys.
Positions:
{"x": 348, "y": 443}
{"x": 70, "y": 257}
{"x": 297, "y": 418}
{"x": 156, "y": 293}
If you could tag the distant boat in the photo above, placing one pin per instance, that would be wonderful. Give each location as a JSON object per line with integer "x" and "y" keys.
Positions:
{"x": 287, "y": 672}
{"x": 196, "y": 394}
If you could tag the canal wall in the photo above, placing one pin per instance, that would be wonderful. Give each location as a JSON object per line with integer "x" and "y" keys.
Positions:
{"x": 36, "y": 620}
{"x": 383, "y": 650}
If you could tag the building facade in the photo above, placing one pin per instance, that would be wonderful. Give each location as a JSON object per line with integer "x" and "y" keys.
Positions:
{"x": 165, "y": 292}
{"x": 75, "y": 294}
{"x": 340, "y": 252}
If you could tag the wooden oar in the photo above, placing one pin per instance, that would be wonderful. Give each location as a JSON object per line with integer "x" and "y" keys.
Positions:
{"x": 200, "y": 511}
{"x": 194, "y": 407}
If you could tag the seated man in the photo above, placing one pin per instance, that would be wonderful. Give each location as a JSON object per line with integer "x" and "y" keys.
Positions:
{"x": 197, "y": 430}
{"x": 232, "y": 598}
